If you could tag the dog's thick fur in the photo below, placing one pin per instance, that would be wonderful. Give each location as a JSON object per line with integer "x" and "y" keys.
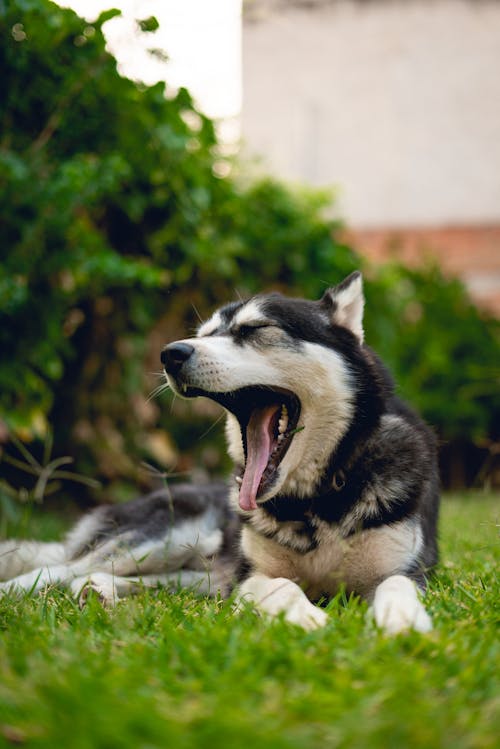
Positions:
{"x": 335, "y": 482}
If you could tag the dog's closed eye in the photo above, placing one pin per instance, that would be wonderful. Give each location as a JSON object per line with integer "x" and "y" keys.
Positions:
{"x": 243, "y": 332}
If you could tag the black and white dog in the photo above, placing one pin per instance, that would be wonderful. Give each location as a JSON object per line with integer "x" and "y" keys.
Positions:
{"x": 335, "y": 481}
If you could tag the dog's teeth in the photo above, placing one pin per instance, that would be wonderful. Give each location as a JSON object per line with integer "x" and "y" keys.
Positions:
{"x": 283, "y": 421}
{"x": 238, "y": 479}
{"x": 281, "y": 437}
{"x": 184, "y": 388}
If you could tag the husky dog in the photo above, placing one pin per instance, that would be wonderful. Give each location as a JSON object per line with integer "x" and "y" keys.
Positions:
{"x": 335, "y": 481}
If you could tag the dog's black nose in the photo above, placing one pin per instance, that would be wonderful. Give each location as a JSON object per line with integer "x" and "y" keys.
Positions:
{"x": 174, "y": 355}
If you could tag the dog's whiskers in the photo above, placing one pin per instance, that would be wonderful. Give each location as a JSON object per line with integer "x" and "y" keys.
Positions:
{"x": 212, "y": 426}
{"x": 158, "y": 390}
{"x": 196, "y": 312}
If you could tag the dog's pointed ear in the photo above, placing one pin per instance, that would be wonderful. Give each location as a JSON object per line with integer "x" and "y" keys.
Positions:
{"x": 344, "y": 304}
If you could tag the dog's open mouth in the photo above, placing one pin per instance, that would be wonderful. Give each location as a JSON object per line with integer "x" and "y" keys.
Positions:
{"x": 268, "y": 419}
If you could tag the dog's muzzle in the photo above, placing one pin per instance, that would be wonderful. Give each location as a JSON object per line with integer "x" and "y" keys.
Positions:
{"x": 175, "y": 355}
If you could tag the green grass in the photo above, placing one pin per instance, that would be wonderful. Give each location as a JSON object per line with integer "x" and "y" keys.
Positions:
{"x": 174, "y": 671}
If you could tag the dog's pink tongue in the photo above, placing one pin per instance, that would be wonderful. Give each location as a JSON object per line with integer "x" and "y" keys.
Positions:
{"x": 259, "y": 441}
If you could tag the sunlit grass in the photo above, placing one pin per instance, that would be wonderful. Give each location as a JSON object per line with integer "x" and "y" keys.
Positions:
{"x": 175, "y": 671}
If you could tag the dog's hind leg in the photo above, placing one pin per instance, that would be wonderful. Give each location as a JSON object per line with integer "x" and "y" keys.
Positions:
{"x": 35, "y": 580}
{"x": 106, "y": 586}
{"x": 18, "y": 557}
{"x": 397, "y": 606}
{"x": 111, "y": 588}
{"x": 55, "y": 574}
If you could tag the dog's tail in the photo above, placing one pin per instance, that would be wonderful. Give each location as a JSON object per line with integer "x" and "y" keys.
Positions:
{"x": 17, "y": 557}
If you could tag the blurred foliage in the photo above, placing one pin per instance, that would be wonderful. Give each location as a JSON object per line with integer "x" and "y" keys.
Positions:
{"x": 443, "y": 351}
{"x": 120, "y": 216}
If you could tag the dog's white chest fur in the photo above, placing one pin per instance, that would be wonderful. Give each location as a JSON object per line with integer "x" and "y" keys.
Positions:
{"x": 358, "y": 562}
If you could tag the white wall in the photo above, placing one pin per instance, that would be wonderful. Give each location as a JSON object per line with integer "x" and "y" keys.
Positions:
{"x": 397, "y": 103}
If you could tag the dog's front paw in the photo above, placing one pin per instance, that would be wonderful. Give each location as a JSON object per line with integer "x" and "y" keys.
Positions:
{"x": 306, "y": 615}
{"x": 397, "y": 607}
{"x": 278, "y": 595}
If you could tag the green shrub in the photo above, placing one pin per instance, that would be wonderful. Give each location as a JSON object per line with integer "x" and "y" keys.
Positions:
{"x": 443, "y": 351}
{"x": 114, "y": 223}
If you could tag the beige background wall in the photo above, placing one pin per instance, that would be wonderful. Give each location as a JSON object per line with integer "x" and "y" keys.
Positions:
{"x": 397, "y": 103}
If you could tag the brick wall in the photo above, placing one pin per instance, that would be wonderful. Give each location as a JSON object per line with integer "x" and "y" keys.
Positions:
{"x": 470, "y": 252}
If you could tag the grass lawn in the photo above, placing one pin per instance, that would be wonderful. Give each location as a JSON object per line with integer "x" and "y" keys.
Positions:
{"x": 173, "y": 671}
